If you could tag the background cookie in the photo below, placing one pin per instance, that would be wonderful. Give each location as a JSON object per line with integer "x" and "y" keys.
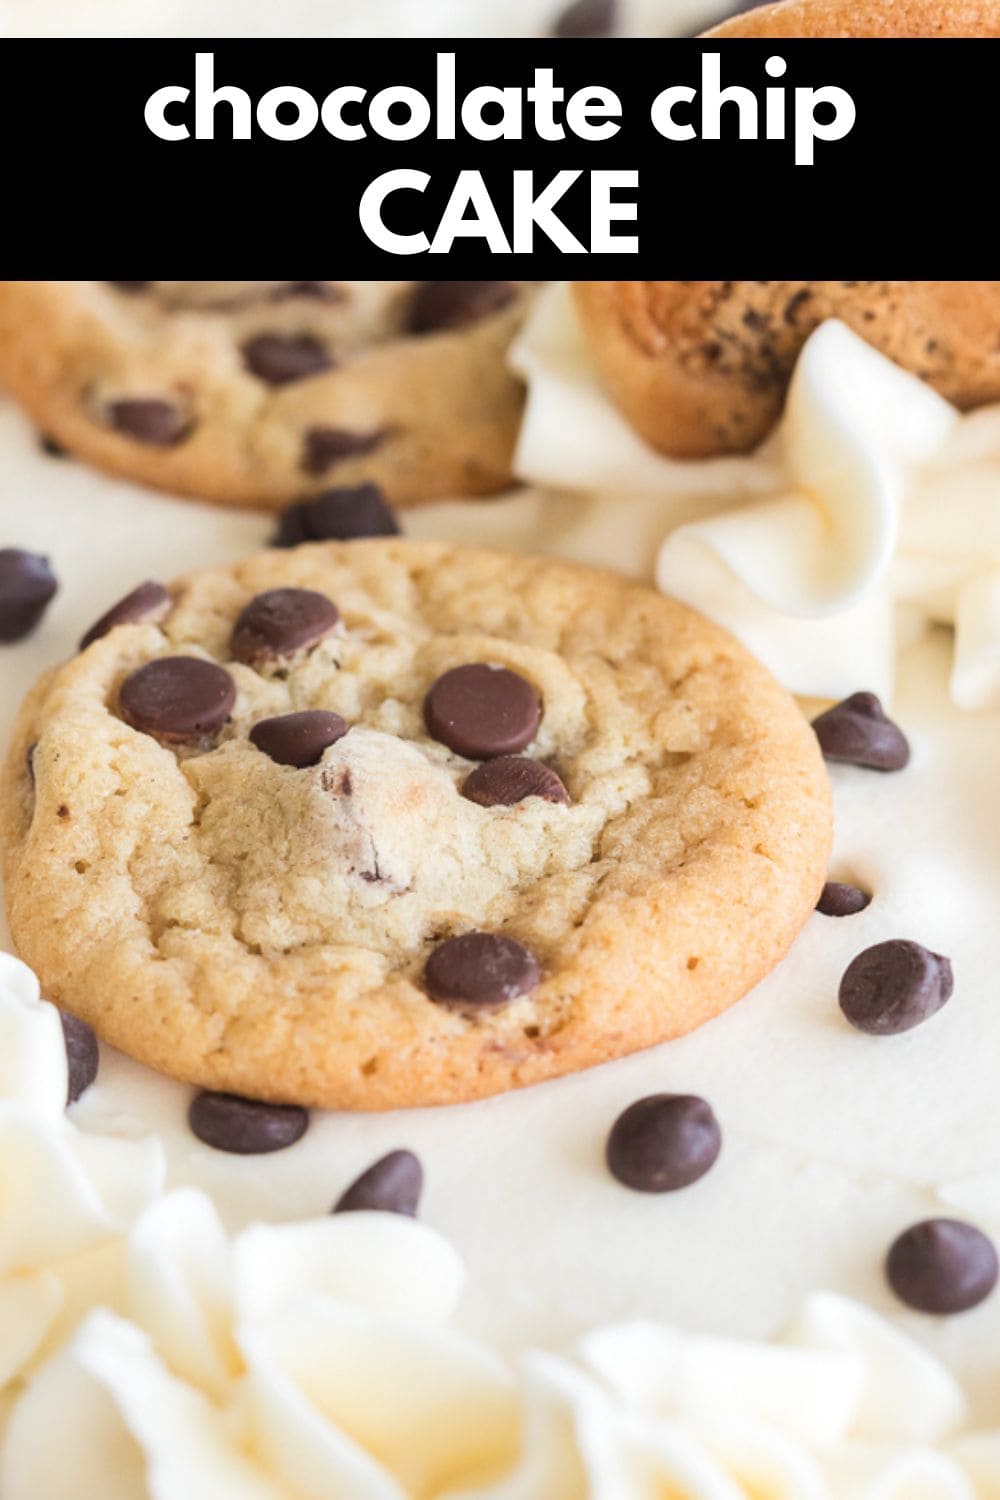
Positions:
{"x": 873, "y": 18}
{"x": 248, "y": 910}
{"x": 257, "y": 392}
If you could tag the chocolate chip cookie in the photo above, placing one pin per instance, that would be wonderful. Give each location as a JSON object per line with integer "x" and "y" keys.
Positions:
{"x": 388, "y": 823}
{"x": 257, "y": 393}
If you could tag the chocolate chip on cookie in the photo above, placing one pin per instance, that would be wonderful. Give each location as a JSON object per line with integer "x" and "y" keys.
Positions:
{"x": 298, "y": 739}
{"x": 280, "y": 358}
{"x": 150, "y": 420}
{"x": 440, "y": 305}
{"x": 587, "y": 18}
{"x": 838, "y": 900}
{"x": 82, "y": 1055}
{"x": 146, "y": 605}
{"x": 392, "y": 1185}
{"x": 857, "y": 731}
{"x": 51, "y": 447}
{"x": 177, "y": 698}
{"x": 481, "y": 711}
{"x": 942, "y": 1266}
{"x": 27, "y": 584}
{"x": 481, "y": 969}
{"x": 663, "y": 1142}
{"x": 245, "y": 1127}
{"x": 337, "y": 515}
{"x": 894, "y": 986}
{"x": 512, "y": 778}
{"x": 280, "y": 622}
{"x": 323, "y": 447}
{"x": 130, "y": 287}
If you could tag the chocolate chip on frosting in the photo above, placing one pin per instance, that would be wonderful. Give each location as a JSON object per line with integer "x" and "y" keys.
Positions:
{"x": 27, "y": 584}
{"x": 663, "y": 1142}
{"x": 838, "y": 900}
{"x": 146, "y": 605}
{"x": 337, "y": 515}
{"x": 245, "y": 1127}
{"x": 942, "y": 1266}
{"x": 150, "y": 420}
{"x": 512, "y": 778}
{"x": 587, "y": 18}
{"x": 480, "y": 969}
{"x": 82, "y": 1055}
{"x": 894, "y": 986}
{"x": 440, "y": 305}
{"x": 298, "y": 739}
{"x": 280, "y": 358}
{"x": 323, "y": 447}
{"x": 177, "y": 698}
{"x": 481, "y": 711}
{"x": 391, "y": 1185}
{"x": 280, "y": 622}
{"x": 857, "y": 731}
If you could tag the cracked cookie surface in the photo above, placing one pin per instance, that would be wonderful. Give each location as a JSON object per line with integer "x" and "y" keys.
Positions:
{"x": 264, "y": 927}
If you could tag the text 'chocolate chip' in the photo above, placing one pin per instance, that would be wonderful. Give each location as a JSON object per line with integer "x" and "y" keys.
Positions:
{"x": 481, "y": 711}
{"x": 439, "y": 305}
{"x": 27, "y": 584}
{"x": 281, "y": 358}
{"x": 177, "y": 698}
{"x": 512, "y": 778}
{"x": 280, "y": 622}
{"x": 942, "y": 1266}
{"x": 298, "y": 739}
{"x": 146, "y": 605}
{"x": 392, "y": 1185}
{"x": 245, "y": 1127}
{"x": 480, "y": 969}
{"x": 337, "y": 515}
{"x": 857, "y": 731}
{"x": 894, "y": 986}
{"x": 150, "y": 420}
{"x": 82, "y": 1055}
{"x": 663, "y": 1142}
{"x": 837, "y": 900}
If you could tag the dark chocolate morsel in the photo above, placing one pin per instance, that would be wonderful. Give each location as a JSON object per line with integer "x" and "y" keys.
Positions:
{"x": 894, "y": 986}
{"x": 27, "y": 584}
{"x": 150, "y": 420}
{"x": 440, "y": 305}
{"x": 837, "y": 900}
{"x": 51, "y": 446}
{"x": 280, "y": 622}
{"x": 245, "y": 1127}
{"x": 298, "y": 739}
{"x": 323, "y": 447}
{"x": 858, "y": 732}
{"x": 663, "y": 1142}
{"x": 280, "y": 358}
{"x": 82, "y": 1055}
{"x": 512, "y": 778}
{"x": 131, "y": 287}
{"x": 177, "y": 698}
{"x": 337, "y": 515}
{"x": 148, "y": 604}
{"x": 942, "y": 1266}
{"x": 587, "y": 18}
{"x": 480, "y": 969}
{"x": 391, "y": 1185}
{"x": 481, "y": 711}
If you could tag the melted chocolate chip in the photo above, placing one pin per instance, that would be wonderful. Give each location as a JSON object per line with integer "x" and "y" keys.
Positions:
{"x": 942, "y": 1266}
{"x": 480, "y": 969}
{"x": 440, "y": 305}
{"x": 245, "y": 1127}
{"x": 27, "y": 584}
{"x": 858, "y": 732}
{"x": 512, "y": 778}
{"x": 177, "y": 698}
{"x": 838, "y": 900}
{"x": 481, "y": 711}
{"x": 150, "y": 420}
{"x": 280, "y": 622}
{"x": 391, "y": 1185}
{"x": 82, "y": 1055}
{"x": 663, "y": 1142}
{"x": 587, "y": 18}
{"x": 146, "y": 605}
{"x": 337, "y": 515}
{"x": 894, "y": 986}
{"x": 280, "y": 358}
{"x": 323, "y": 447}
{"x": 298, "y": 739}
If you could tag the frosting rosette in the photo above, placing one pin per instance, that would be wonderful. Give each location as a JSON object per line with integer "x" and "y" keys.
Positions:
{"x": 869, "y": 509}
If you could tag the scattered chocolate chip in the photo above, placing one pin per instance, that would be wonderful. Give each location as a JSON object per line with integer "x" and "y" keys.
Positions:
{"x": 858, "y": 732}
{"x": 894, "y": 986}
{"x": 481, "y": 711}
{"x": 440, "y": 305}
{"x": 663, "y": 1142}
{"x": 245, "y": 1127}
{"x": 298, "y": 739}
{"x": 942, "y": 1266}
{"x": 837, "y": 900}
{"x": 27, "y": 584}
{"x": 82, "y": 1056}
{"x": 280, "y": 358}
{"x": 391, "y": 1185}
{"x": 587, "y": 18}
{"x": 512, "y": 778}
{"x": 322, "y": 291}
{"x": 337, "y": 515}
{"x": 51, "y": 447}
{"x": 325, "y": 446}
{"x": 280, "y": 622}
{"x": 481, "y": 969}
{"x": 177, "y": 698}
{"x": 148, "y": 604}
{"x": 130, "y": 287}
{"x": 150, "y": 420}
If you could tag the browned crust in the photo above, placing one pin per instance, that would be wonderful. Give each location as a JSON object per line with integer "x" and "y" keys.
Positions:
{"x": 866, "y": 18}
